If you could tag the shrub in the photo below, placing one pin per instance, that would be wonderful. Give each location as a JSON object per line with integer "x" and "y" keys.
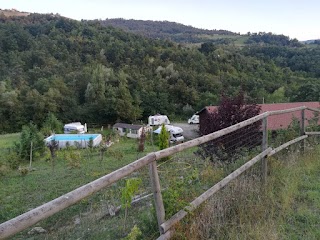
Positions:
{"x": 230, "y": 111}
{"x": 163, "y": 138}
{"x": 30, "y": 134}
{"x": 73, "y": 158}
{"x": 52, "y": 125}
{"x": 3, "y": 169}
{"x": 13, "y": 160}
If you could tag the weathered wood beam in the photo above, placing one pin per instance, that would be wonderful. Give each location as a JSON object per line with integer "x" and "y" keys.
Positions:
{"x": 312, "y": 133}
{"x": 277, "y": 112}
{"x": 287, "y": 144}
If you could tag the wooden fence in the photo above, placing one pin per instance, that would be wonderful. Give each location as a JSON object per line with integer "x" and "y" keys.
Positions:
{"x": 30, "y": 218}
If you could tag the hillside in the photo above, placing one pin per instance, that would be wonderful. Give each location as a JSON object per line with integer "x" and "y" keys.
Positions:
{"x": 168, "y": 30}
{"x": 83, "y": 71}
{"x": 13, "y": 13}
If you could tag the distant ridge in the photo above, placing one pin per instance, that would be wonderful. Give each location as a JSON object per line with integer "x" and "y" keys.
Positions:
{"x": 13, "y": 13}
{"x": 310, "y": 41}
{"x": 165, "y": 30}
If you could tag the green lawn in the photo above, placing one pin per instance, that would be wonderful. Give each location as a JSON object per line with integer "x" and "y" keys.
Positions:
{"x": 7, "y": 140}
{"x": 74, "y": 168}
{"x": 302, "y": 219}
{"x": 293, "y": 203}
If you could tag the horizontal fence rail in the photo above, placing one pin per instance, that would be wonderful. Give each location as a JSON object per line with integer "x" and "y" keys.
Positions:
{"x": 46, "y": 210}
{"x": 196, "y": 203}
{"x": 283, "y": 146}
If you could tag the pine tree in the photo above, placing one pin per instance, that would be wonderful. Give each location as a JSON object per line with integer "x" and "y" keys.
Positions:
{"x": 163, "y": 138}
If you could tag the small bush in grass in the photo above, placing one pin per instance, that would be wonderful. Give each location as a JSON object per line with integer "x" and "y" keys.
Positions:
{"x": 116, "y": 154}
{"x": 13, "y": 160}
{"x": 23, "y": 171}
{"x": 73, "y": 158}
{"x": 3, "y": 169}
{"x": 127, "y": 193}
{"x": 134, "y": 234}
{"x": 173, "y": 199}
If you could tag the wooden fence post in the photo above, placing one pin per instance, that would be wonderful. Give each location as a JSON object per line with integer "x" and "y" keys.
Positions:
{"x": 302, "y": 130}
{"x": 155, "y": 182}
{"x": 30, "y": 164}
{"x": 264, "y": 167}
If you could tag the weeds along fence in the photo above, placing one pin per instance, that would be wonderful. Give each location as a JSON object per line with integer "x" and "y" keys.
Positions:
{"x": 194, "y": 172}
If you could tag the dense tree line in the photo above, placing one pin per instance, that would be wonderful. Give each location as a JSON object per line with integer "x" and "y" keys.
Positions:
{"x": 273, "y": 39}
{"x": 165, "y": 30}
{"x": 84, "y": 71}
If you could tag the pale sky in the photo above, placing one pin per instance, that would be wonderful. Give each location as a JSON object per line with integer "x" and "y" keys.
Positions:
{"x": 293, "y": 18}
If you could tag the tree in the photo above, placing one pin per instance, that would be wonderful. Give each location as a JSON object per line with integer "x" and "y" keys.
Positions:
{"x": 125, "y": 106}
{"x": 127, "y": 193}
{"x": 30, "y": 134}
{"x": 163, "y": 138}
{"x": 230, "y": 111}
{"x": 51, "y": 125}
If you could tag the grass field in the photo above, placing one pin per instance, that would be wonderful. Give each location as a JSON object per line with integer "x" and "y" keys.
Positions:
{"x": 74, "y": 168}
{"x": 7, "y": 140}
{"x": 287, "y": 208}
{"x": 290, "y": 202}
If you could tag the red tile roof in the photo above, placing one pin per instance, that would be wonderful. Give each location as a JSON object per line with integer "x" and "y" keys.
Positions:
{"x": 281, "y": 121}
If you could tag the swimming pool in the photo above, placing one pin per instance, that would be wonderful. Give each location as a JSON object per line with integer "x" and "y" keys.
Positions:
{"x": 78, "y": 140}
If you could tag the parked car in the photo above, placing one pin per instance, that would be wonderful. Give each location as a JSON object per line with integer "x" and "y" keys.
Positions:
{"x": 194, "y": 119}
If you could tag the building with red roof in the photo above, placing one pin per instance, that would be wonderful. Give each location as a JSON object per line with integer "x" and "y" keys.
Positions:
{"x": 275, "y": 122}
{"x": 282, "y": 121}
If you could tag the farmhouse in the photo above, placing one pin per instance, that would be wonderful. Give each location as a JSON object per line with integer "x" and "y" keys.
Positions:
{"x": 130, "y": 130}
{"x": 275, "y": 122}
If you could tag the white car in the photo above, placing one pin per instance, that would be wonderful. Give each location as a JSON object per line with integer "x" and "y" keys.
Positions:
{"x": 194, "y": 119}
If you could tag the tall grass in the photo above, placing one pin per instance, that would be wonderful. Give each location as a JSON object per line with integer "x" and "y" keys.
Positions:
{"x": 286, "y": 208}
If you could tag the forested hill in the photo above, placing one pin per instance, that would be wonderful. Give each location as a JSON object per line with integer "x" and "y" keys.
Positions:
{"x": 83, "y": 71}
{"x": 166, "y": 30}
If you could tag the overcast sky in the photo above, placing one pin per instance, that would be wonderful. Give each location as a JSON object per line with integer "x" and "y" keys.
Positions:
{"x": 293, "y": 18}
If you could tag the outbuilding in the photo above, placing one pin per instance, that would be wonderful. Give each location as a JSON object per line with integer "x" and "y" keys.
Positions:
{"x": 130, "y": 130}
{"x": 275, "y": 122}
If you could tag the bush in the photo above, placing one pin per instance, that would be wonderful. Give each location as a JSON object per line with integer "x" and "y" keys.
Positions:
{"x": 30, "y": 134}
{"x": 52, "y": 125}
{"x": 163, "y": 138}
{"x": 3, "y": 169}
{"x": 230, "y": 111}
{"x": 13, "y": 160}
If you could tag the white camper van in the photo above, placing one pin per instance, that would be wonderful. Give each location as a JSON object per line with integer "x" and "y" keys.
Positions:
{"x": 75, "y": 127}
{"x": 175, "y": 133}
{"x": 158, "y": 120}
{"x": 194, "y": 119}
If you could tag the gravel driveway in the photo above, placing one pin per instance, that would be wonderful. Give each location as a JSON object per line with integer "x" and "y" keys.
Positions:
{"x": 190, "y": 131}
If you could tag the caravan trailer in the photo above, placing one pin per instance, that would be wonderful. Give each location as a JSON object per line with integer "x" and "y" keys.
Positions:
{"x": 158, "y": 120}
{"x": 175, "y": 133}
{"x": 75, "y": 127}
